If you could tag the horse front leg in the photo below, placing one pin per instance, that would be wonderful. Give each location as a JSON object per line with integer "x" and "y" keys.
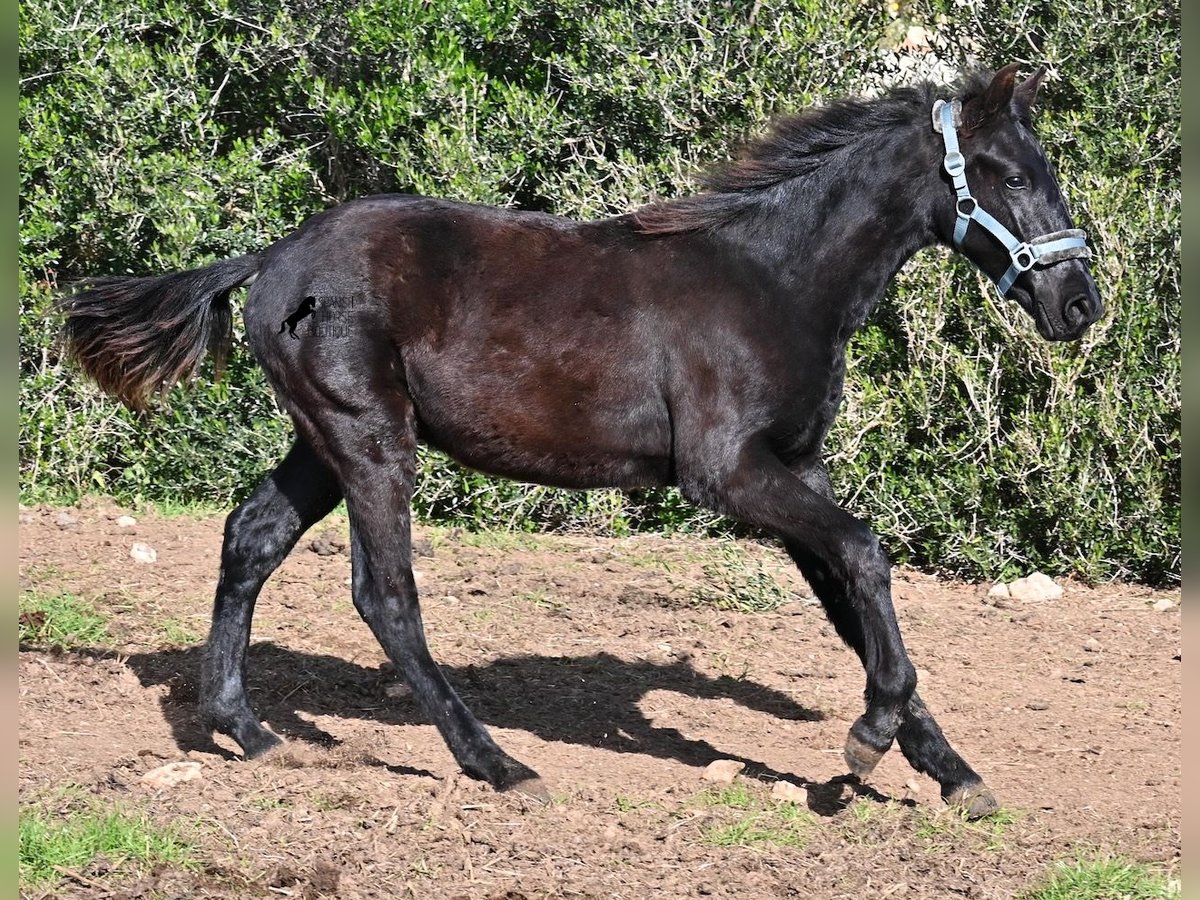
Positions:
{"x": 847, "y": 568}
{"x": 869, "y": 627}
{"x": 920, "y": 737}
{"x": 927, "y": 750}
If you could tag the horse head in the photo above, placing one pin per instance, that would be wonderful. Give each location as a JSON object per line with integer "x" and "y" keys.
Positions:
{"x": 1009, "y": 217}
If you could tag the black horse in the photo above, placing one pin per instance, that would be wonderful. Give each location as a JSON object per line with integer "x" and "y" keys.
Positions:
{"x": 698, "y": 342}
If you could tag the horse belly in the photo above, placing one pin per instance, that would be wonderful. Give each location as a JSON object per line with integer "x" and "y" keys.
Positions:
{"x": 544, "y": 421}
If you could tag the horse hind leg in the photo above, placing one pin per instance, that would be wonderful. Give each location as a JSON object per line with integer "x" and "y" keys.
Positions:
{"x": 258, "y": 536}
{"x": 369, "y": 438}
{"x": 399, "y": 629}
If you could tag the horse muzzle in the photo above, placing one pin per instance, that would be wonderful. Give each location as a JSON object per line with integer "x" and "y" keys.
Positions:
{"x": 1065, "y": 319}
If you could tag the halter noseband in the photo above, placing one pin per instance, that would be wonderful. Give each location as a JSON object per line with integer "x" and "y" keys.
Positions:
{"x": 1041, "y": 251}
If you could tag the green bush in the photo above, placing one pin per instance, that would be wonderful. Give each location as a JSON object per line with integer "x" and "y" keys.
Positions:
{"x": 161, "y": 134}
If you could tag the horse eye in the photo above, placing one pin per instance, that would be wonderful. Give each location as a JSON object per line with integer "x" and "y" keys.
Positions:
{"x": 1015, "y": 182}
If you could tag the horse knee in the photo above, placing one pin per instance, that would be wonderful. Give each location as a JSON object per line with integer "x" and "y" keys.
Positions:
{"x": 848, "y": 569}
{"x": 864, "y": 558}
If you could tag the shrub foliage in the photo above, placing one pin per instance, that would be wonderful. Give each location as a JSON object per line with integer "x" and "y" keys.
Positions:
{"x": 162, "y": 134}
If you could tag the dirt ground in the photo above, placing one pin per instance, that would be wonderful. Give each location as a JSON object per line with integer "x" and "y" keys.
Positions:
{"x": 592, "y": 661}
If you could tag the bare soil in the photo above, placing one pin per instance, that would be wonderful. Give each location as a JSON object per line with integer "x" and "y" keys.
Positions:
{"x": 590, "y": 660}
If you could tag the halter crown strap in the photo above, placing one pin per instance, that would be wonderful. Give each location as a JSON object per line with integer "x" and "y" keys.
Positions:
{"x": 1046, "y": 250}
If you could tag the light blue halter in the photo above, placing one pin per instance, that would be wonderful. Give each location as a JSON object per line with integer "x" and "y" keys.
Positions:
{"x": 1041, "y": 251}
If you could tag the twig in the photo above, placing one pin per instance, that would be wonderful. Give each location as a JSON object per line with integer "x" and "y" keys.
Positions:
{"x": 83, "y": 879}
{"x": 48, "y": 669}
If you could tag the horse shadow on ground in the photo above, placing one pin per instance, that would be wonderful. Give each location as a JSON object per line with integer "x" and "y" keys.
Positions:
{"x": 586, "y": 700}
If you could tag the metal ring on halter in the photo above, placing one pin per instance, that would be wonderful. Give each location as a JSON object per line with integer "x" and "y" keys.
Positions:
{"x": 969, "y": 211}
{"x": 1023, "y": 257}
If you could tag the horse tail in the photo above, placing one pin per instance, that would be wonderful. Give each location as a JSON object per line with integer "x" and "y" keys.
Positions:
{"x": 139, "y": 336}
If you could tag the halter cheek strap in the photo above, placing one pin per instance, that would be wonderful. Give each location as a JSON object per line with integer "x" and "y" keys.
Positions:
{"x": 1071, "y": 243}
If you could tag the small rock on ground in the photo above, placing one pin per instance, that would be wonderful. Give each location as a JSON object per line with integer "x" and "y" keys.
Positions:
{"x": 722, "y": 771}
{"x": 143, "y": 553}
{"x": 126, "y": 521}
{"x": 171, "y": 774}
{"x": 999, "y": 589}
{"x": 1164, "y": 604}
{"x": 788, "y": 792}
{"x": 1037, "y": 586}
{"x": 65, "y": 519}
{"x": 1091, "y": 645}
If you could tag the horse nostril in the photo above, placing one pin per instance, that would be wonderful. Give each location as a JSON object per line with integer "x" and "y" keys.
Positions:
{"x": 1080, "y": 310}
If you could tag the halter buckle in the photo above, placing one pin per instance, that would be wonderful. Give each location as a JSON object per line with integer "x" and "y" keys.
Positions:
{"x": 955, "y": 163}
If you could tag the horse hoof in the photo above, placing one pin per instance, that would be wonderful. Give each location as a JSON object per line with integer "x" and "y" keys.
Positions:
{"x": 251, "y": 735}
{"x": 861, "y": 757}
{"x": 532, "y": 788}
{"x": 975, "y": 800}
{"x": 260, "y": 744}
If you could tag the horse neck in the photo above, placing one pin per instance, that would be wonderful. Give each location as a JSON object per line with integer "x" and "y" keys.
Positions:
{"x": 835, "y": 238}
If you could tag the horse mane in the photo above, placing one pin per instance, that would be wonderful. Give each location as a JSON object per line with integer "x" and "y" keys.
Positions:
{"x": 796, "y": 146}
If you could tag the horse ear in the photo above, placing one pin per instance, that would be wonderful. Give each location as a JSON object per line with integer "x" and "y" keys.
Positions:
{"x": 1025, "y": 93}
{"x": 993, "y": 100}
